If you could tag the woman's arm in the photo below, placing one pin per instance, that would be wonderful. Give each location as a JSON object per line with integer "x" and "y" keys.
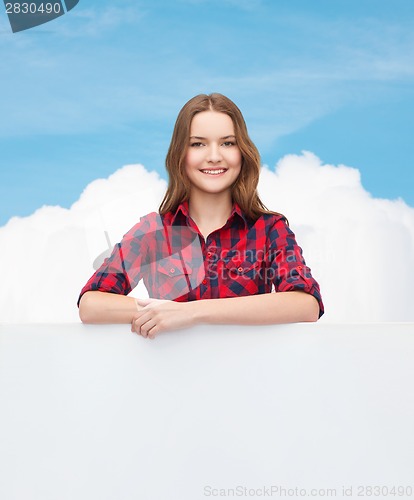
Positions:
{"x": 104, "y": 307}
{"x": 264, "y": 309}
{"x": 104, "y": 298}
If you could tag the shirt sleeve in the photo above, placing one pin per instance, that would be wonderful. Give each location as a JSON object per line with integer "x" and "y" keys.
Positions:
{"x": 122, "y": 270}
{"x": 288, "y": 267}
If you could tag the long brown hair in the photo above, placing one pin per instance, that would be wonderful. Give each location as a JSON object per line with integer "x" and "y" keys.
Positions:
{"x": 244, "y": 190}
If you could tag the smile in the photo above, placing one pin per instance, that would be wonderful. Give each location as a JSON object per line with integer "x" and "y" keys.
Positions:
{"x": 216, "y": 171}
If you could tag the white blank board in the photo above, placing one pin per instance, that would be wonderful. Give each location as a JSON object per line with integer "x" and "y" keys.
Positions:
{"x": 97, "y": 412}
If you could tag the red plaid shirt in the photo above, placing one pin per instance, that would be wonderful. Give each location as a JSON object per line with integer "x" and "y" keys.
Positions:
{"x": 244, "y": 257}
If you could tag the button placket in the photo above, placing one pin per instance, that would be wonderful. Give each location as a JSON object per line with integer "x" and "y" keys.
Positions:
{"x": 210, "y": 260}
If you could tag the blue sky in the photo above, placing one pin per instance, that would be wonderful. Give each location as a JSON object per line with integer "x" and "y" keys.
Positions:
{"x": 101, "y": 87}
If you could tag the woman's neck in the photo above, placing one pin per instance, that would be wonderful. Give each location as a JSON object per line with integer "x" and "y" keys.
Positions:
{"x": 210, "y": 209}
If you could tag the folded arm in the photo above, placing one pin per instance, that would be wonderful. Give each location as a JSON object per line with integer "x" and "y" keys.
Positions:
{"x": 149, "y": 317}
{"x": 263, "y": 309}
{"x": 104, "y": 307}
{"x": 269, "y": 308}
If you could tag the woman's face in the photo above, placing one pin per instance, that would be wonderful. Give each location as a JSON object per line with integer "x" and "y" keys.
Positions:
{"x": 213, "y": 160}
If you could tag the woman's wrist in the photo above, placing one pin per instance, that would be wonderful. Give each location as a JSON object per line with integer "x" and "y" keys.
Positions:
{"x": 196, "y": 310}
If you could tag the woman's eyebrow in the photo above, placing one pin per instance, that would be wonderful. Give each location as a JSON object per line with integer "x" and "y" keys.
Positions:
{"x": 204, "y": 138}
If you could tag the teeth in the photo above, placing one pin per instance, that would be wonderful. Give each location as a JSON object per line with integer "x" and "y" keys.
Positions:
{"x": 214, "y": 171}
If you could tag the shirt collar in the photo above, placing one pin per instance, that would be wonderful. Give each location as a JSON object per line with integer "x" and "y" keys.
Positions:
{"x": 183, "y": 208}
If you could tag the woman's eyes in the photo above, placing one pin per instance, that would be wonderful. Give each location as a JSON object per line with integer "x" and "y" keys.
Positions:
{"x": 198, "y": 144}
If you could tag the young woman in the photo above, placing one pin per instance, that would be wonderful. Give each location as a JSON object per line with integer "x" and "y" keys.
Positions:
{"x": 214, "y": 253}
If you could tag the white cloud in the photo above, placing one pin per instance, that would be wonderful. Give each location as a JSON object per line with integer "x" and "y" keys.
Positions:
{"x": 360, "y": 249}
{"x": 48, "y": 256}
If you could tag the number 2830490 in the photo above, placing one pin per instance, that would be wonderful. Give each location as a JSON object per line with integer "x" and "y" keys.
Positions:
{"x": 33, "y": 8}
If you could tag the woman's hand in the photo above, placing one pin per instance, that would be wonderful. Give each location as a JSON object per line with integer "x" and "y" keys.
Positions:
{"x": 157, "y": 316}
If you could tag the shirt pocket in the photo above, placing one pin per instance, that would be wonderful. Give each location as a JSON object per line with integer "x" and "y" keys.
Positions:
{"x": 172, "y": 278}
{"x": 240, "y": 278}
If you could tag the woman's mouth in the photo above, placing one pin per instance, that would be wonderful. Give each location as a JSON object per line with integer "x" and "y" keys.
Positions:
{"x": 213, "y": 171}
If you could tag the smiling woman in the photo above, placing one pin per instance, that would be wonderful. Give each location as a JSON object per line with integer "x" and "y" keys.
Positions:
{"x": 214, "y": 253}
{"x": 212, "y": 165}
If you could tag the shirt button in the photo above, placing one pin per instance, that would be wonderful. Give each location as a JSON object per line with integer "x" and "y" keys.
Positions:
{"x": 172, "y": 270}
{"x": 240, "y": 269}
{"x": 204, "y": 282}
{"x": 209, "y": 254}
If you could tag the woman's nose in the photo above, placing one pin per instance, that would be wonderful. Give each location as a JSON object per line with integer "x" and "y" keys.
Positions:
{"x": 214, "y": 154}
